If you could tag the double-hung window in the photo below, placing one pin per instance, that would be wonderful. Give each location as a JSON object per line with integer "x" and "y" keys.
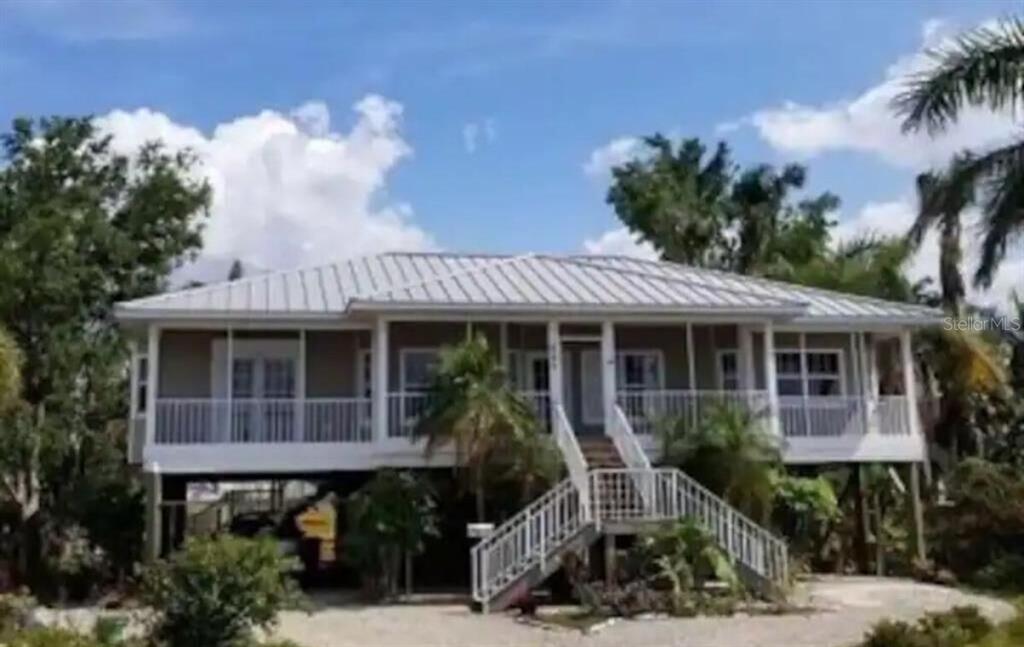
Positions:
{"x": 823, "y": 374}
{"x": 639, "y": 370}
{"x": 418, "y": 368}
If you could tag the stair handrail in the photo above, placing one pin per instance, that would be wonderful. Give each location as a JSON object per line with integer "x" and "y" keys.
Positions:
{"x": 525, "y": 539}
{"x": 575, "y": 462}
{"x": 774, "y": 560}
{"x": 625, "y": 440}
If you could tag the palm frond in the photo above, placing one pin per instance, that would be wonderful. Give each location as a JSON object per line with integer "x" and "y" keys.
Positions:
{"x": 982, "y": 67}
{"x": 1002, "y": 173}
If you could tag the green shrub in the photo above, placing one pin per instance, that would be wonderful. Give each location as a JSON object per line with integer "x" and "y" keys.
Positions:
{"x": 389, "y": 517}
{"x": 50, "y": 637}
{"x": 215, "y": 592}
{"x": 958, "y": 627}
{"x": 15, "y": 612}
{"x": 1004, "y": 573}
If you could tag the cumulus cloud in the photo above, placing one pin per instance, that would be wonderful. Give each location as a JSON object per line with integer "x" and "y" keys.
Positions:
{"x": 477, "y": 133}
{"x": 287, "y": 188}
{"x": 894, "y": 217}
{"x": 620, "y": 242}
{"x": 865, "y": 123}
{"x": 615, "y": 153}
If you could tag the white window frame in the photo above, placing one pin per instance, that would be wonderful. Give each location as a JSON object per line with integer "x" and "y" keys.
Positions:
{"x": 140, "y": 379}
{"x": 404, "y": 354}
{"x": 805, "y": 378}
{"x": 620, "y": 366}
{"x": 720, "y": 371}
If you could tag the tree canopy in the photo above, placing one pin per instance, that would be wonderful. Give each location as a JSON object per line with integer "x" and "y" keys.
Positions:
{"x": 81, "y": 227}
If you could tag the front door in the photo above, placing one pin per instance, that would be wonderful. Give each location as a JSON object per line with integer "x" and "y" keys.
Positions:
{"x": 581, "y": 384}
{"x": 263, "y": 392}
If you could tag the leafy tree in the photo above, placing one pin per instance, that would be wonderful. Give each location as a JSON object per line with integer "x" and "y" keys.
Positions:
{"x": 804, "y": 509}
{"x": 215, "y": 592}
{"x": 676, "y": 198}
{"x": 942, "y": 202}
{"x": 473, "y": 407}
{"x": 81, "y": 228}
{"x": 10, "y": 370}
{"x": 983, "y": 67}
{"x": 758, "y": 198}
{"x": 730, "y": 453}
{"x": 391, "y": 516}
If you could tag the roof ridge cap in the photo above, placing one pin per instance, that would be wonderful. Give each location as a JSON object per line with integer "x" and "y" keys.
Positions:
{"x": 674, "y": 279}
{"x": 442, "y": 277}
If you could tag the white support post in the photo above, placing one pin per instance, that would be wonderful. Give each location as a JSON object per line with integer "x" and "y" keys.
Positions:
{"x": 608, "y": 374}
{"x": 153, "y": 484}
{"x": 300, "y": 388}
{"x": 909, "y": 384}
{"x": 229, "y": 427}
{"x": 803, "y": 382}
{"x": 746, "y": 359}
{"x": 503, "y": 348}
{"x": 554, "y": 370}
{"x": 152, "y": 383}
{"x": 859, "y": 381}
{"x": 770, "y": 379}
{"x": 691, "y": 375}
{"x": 691, "y": 364}
{"x": 380, "y": 381}
{"x": 133, "y": 398}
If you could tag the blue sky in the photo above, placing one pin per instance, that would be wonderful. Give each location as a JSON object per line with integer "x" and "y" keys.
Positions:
{"x": 502, "y": 105}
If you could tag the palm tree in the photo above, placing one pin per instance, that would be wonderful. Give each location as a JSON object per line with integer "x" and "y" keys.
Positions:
{"x": 472, "y": 406}
{"x": 941, "y": 205}
{"x": 758, "y": 197}
{"x": 730, "y": 453}
{"x": 984, "y": 67}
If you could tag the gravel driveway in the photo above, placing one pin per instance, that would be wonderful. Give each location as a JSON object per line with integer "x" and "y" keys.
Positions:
{"x": 845, "y": 608}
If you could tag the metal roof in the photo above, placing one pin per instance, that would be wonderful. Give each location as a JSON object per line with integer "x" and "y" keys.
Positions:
{"x": 529, "y": 282}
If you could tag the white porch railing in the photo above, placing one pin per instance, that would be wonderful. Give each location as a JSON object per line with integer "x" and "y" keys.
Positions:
{"x": 645, "y": 410}
{"x": 405, "y": 411}
{"x": 191, "y": 421}
{"x": 835, "y": 416}
{"x": 668, "y": 493}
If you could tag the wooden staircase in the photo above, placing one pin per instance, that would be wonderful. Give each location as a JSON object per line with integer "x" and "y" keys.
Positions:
{"x": 600, "y": 452}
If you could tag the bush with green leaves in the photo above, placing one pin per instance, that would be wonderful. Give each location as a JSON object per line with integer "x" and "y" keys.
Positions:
{"x": 730, "y": 452}
{"x": 667, "y": 571}
{"x": 216, "y": 592}
{"x": 984, "y": 525}
{"x": 958, "y": 627}
{"x": 389, "y": 518}
{"x": 804, "y": 510}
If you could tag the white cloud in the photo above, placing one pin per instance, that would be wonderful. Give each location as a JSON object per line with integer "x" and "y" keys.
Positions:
{"x": 477, "y": 133}
{"x": 620, "y": 242}
{"x": 866, "y": 123}
{"x": 287, "y": 189}
{"x": 894, "y": 217}
{"x": 615, "y": 153}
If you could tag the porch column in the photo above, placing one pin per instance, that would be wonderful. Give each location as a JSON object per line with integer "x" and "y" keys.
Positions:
{"x": 909, "y": 384}
{"x": 608, "y": 374}
{"x": 770, "y": 380}
{"x": 300, "y": 388}
{"x": 554, "y": 370}
{"x": 691, "y": 365}
{"x": 152, "y": 483}
{"x": 745, "y": 365}
{"x": 152, "y": 384}
{"x": 229, "y": 427}
{"x": 380, "y": 380}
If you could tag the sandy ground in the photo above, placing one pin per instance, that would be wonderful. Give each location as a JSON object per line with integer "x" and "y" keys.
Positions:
{"x": 845, "y": 608}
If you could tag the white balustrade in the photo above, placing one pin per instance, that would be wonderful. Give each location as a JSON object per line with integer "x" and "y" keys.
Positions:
{"x": 648, "y": 409}
{"x": 197, "y": 421}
